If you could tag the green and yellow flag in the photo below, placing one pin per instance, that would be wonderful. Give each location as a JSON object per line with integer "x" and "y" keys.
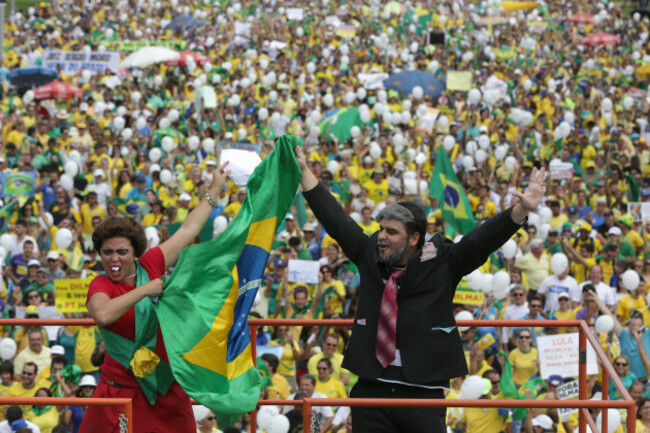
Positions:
{"x": 446, "y": 188}
{"x": 204, "y": 309}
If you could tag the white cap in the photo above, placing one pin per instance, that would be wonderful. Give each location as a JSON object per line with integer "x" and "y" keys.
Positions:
{"x": 184, "y": 197}
{"x": 87, "y": 380}
{"x": 34, "y": 262}
{"x": 543, "y": 421}
{"x": 210, "y": 162}
{"x": 54, "y": 255}
{"x": 614, "y": 231}
{"x": 57, "y": 349}
{"x": 98, "y": 172}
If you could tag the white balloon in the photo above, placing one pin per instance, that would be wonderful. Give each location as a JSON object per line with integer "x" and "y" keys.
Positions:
{"x": 152, "y": 236}
{"x": 141, "y": 123}
{"x": 263, "y": 114}
{"x": 501, "y": 281}
{"x": 420, "y": 159}
{"x": 219, "y": 225}
{"x": 127, "y": 133}
{"x": 66, "y": 182}
{"x": 417, "y": 92}
{"x": 509, "y": 249}
{"x": 43, "y": 218}
{"x": 628, "y": 102}
{"x": 501, "y": 293}
{"x": 528, "y": 84}
{"x": 483, "y": 141}
{"x": 242, "y": 134}
{"x": 71, "y": 168}
{"x": 119, "y": 122}
{"x": 510, "y": 163}
{"x": 208, "y": 145}
{"x": 474, "y": 96}
{"x": 613, "y": 421}
{"x": 155, "y": 154}
{"x": 167, "y": 143}
{"x": 63, "y": 238}
{"x": 542, "y": 232}
{"x": 7, "y": 348}
{"x": 361, "y": 93}
{"x": 382, "y": 96}
{"x": 474, "y": 279}
{"x": 193, "y": 142}
{"x": 630, "y": 280}
{"x": 375, "y": 151}
{"x": 500, "y": 152}
{"x": 355, "y": 131}
{"x": 545, "y": 214}
{"x": 472, "y": 388}
{"x": 448, "y": 143}
{"x": 604, "y": 324}
{"x": 136, "y": 96}
{"x": 350, "y": 97}
{"x": 74, "y": 156}
{"x": 165, "y": 176}
{"x": 365, "y": 116}
{"x": 6, "y": 242}
{"x": 533, "y": 219}
{"x": 468, "y": 162}
{"x": 607, "y": 104}
{"x": 481, "y": 156}
{"x": 265, "y": 415}
{"x": 333, "y": 166}
{"x": 464, "y": 315}
{"x": 443, "y": 121}
{"x": 28, "y": 97}
{"x": 559, "y": 263}
{"x": 328, "y": 100}
{"x": 279, "y": 424}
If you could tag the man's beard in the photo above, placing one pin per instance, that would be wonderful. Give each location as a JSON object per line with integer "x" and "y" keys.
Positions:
{"x": 393, "y": 255}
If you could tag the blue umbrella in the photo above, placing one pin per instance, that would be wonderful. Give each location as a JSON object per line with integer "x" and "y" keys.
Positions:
{"x": 405, "y": 81}
{"x": 184, "y": 22}
{"x": 32, "y": 77}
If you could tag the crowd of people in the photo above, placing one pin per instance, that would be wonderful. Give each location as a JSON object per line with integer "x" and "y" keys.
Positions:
{"x": 548, "y": 96}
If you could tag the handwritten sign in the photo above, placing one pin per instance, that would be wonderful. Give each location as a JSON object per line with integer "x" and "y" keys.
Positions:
{"x": 71, "y": 295}
{"x": 241, "y": 163}
{"x": 640, "y": 211}
{"x": 567, "y": 391}
{"x": 470, "y": 297}
{"x": 303, "y": 271}
{"x": 558, "y": 354}
{"x": 561, "y": 170}
{"x": 72, "y": 61}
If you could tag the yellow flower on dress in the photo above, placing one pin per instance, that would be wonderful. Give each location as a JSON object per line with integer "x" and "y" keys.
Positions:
{"x": 144, "y": 361}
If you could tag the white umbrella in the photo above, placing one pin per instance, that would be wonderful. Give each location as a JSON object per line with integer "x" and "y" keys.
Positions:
{"x": 147, "y": 56}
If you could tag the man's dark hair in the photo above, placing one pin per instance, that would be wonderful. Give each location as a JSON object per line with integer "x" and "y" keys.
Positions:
{"x": 486, "y": 374}
{"x": 326, "y": 361}
{"x": 14, "y": 413}
{"x": 7, "y": 367}
{"x": 31, "y": 364}
{"x": 272, "y": 361}
{"x": 309, "y": 377}
{"x": 293, "y": 241}
{"x": 300, "y": 289}
{"x": 611, "y": 247}
{"x": 409, "y": 214}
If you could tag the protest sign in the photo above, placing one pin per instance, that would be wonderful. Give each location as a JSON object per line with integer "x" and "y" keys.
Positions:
{"x": 71, "y": 295}
{"x": 561, "y": 170}
{"x": 249, "y": 147}
{"x": 567, "y": 391}
{"x": 295, "y": 14}
{"x": 303, "y": 271}
{"x": 459, "y": 80}
{"x": 243, "y": 29}
{"x": 558, "y": 354}
{"x": 72, "y": 61}
{"x": 470, "y": 297}
{"x": 640, "y": 211}
{"x": 241, "y": 164}
{"x": 346, "y": 31}
{"x": 428, "y": 121}
{"x": 16, "y": 184}
{"x": 130, "y": 46}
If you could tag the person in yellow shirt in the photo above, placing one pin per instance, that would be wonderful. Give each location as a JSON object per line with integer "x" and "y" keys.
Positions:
{"x": 27, "y": 386}
{"x": 233, "y": 208}
{"x": 378, "y": 186}
{"x": 484, "y": 420}
{"x": 280, "y": 385}
{"x": 153, "y": 218}
{"x": 287, "y": 365}
{"x": 368, "y": 225}
{"x": 632, "y": 301}
{"x": 557, "y": 218}
{"x": 329, "y": 352}
{"x": 326, "y": 384}
{"x": 46, "y": 417}
{"x": 581, "y": 262}
{"x": 625, "y": 224}
{"x": 525, "y": 362}
{"x": 89, "y": 210}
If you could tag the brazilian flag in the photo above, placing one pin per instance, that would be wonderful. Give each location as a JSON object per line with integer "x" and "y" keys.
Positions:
{"x": 446, "y": 188}
{"x": 212, "y": 288}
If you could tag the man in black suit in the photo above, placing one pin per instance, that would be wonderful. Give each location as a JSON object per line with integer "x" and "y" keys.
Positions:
{"x": 405, "y": 343}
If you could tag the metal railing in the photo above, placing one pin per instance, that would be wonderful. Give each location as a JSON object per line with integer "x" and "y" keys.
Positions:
{"x": 582, "y": 403}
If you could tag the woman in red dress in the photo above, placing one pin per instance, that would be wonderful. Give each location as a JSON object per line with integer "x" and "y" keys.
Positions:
{"x": 121, "y": 243}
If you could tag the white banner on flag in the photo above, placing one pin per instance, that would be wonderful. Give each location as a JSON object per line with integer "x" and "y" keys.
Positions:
{"x": 72, "y": 61}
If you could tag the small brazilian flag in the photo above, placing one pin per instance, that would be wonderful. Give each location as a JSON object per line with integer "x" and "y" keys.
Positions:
{"x": 204, "y": 309}
{"x": 446, "y": 188}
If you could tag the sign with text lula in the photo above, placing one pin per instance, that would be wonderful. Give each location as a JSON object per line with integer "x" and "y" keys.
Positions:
{"x": 559, "y": 354}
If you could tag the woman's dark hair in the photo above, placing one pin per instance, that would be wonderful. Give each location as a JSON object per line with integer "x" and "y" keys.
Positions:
{"x": 640, "y": 405}
{"x": 7, "y": 367}
{"x": 118, "y": 226}
{"x": 47, "y": 391}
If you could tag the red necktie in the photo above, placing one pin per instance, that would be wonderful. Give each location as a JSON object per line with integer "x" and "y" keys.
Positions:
{"x": 387, "y": 327}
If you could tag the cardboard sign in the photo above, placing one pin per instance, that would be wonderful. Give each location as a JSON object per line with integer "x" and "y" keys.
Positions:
{"x": 558, "y": 354}
{"x": 459, "y": 80}
{"x": 303, "y": 271}
{"x": 72, "y": 61}
{"x": 567, "y": 391}
{"x": 561, "y": 170}
{"x": 241, "y": 164}
{"x": 71, "y": 295}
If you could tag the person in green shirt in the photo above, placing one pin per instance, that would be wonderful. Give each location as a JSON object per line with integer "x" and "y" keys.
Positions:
{"x": 552, "y": 242}
{"x": 625, "y": 248}
{"x": 42, "y": 283}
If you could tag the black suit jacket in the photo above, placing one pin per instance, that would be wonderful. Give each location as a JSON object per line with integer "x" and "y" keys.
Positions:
{"x": 427, "y": 337}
